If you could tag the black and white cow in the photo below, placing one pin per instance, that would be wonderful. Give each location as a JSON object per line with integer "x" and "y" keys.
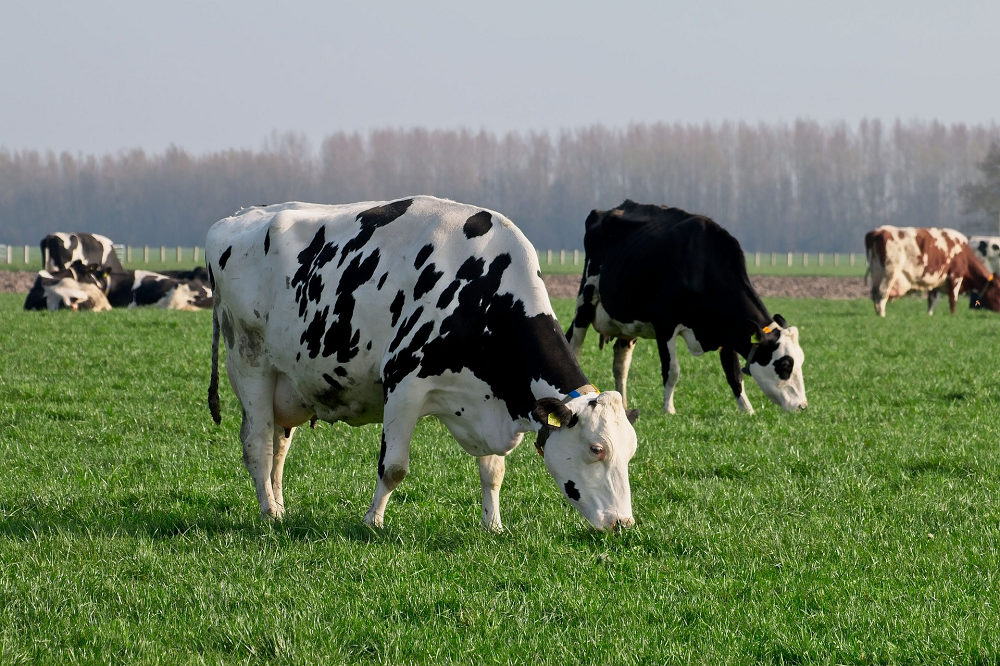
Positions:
{"x": 390, "y": 311}
{"x": 659, "y": 272}
{"x": 59, "y": 250}
{"x": 170, "y": 293}
{"x": 70, "y": 289}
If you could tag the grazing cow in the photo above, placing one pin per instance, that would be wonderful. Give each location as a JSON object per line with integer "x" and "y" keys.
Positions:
{"x": 59, "y": 250}
{"x": 987, "y": 249}
{"x": 391, "y": 311}
{"x": 901, "y": 259}
{"x": 659, "y": 272}
{"x": 65, "y": 290}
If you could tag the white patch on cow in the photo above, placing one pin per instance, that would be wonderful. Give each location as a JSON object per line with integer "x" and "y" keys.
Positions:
{"x": 607, "y": 326}
{"x": 789, "y": 393}
{"x": 73, "y": 295}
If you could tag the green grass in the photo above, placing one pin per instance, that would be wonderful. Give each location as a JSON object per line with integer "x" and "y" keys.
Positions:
{"x": 864, "y": 530}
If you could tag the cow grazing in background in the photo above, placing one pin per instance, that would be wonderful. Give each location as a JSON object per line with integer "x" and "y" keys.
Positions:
{"x": 66, "y": 289}
{"x": 901, "y": 259}
{"x": 659, "y": 272}
{"x": 391, "y": 311}
{"x": 59, "y": 250}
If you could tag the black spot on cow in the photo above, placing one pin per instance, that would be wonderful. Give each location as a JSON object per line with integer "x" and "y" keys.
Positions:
{"x": 381, "y": 457}
{"x": 340, "y": 336}
{"x": 428, "y": 278}
{"x": 405, "y": 328}
{"x": 471, "y": 269}
{"x": 211, "y": 277}
{"x": 298, "y": 356}
{"x": 307, "y": 280}
{"x": 340, "y": 371}
{"x": 478, "y": 224}
{"x": 224, "y": 259}
{"x": 369, "y": 347}
{"x": 783, "y": 366}
{"x": 331, "y": 396}
{"x": 571, "y": 491}
{"x": 405, "y": 362}
{"x": 381, "y": 280}
{"x": 267, "y": 242}
{"x": 422, "y": 255}
{"x": 313, "y": 335}
{"x": 444, "y": 300}
{"x": 371, "y": 220}
{"x": 491, "y": 335}
{"x": 396, "y": 307}
{"x": 458, "y": 413}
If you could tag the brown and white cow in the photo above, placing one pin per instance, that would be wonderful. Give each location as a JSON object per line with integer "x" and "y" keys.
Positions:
{"x": 902, "y": 259}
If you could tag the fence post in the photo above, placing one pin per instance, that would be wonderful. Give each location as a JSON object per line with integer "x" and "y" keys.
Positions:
{"x": 562, "y": 257}
{"x": 145, "y": 254}
{"x": 163, "y": 254}
{"x": 10, "y": 254}
{"x": 128, "y": 253}
{"x": 27, "y": 255}
{"x": 756, "y": 259}
{"x": 548, "y": 257}
{"x": 196, "y": 254}
{"x": 836, "y": 258}
{"x": 820, "y": 258}
{"x": 774, "y": 258}
{"x": 789, "y": 259}
{"x": 805, "y": 258}
{"x": 852, "y": 258}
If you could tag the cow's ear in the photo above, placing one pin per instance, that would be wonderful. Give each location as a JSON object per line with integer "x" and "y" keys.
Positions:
{"x": 754, "y": 330}
{"x": 632, "y": 415}
{"x": 793, "y": 333}
{"x": 552, "y": 413}
{"x": 780, "y": 321}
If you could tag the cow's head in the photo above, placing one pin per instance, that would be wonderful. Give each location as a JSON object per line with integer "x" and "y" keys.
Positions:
{"x": 587, "y": 443}
{"x": 989, "y": 296}
{"x": 775, "y": 363}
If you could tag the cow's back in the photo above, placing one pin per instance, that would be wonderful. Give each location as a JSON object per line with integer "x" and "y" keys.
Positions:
{"x": 334, "y": 297}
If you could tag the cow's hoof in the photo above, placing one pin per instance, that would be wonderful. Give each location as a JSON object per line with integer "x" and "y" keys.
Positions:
{"x": 494, "y": 527}
{"x": 373, "y": 520}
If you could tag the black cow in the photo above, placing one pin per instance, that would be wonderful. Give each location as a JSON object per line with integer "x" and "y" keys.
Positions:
{"x": 656, "y": 272}
{"x": 60, "y": 250}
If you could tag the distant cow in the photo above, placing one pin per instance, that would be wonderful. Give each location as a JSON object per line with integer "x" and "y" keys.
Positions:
{"x": 901, "y": 259}
{"x": 169, "y": 293}
{"x": 59, "y": 250}
{"x": 63, "y": 290}
{"x": 659, "y": 272}
{"x": 391, "y": 311}
{"x": 987, "y": 248}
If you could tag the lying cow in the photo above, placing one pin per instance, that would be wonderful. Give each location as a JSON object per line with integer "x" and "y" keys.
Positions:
{"x": 63, "y": 290}
{"x": 901, "y": 259}
{"x": 659, "y": 272}
{"x": 169, "y": 293}
{"x": 59, "y": 250}
{"x": 392, "y": 311}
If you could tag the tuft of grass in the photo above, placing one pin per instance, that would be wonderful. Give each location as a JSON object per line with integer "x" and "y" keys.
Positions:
{"x": 864, "y": 530}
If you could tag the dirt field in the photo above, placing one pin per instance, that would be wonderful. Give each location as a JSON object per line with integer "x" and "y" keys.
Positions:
{"x": 565, "y": 286}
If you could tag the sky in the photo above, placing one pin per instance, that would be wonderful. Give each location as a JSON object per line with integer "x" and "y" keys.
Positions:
{"x": 101, "y": 77}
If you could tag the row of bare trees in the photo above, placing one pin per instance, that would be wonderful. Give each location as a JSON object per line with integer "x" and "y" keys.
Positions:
{"x": 801, "y": 186}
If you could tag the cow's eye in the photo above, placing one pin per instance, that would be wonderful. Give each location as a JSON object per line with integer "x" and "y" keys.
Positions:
{"x": 598, "y": 451}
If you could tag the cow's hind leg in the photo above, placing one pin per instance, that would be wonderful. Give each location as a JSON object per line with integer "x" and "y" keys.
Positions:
{"x": 257, "y": 435}
{"x": 932, "y": 299}
{"x": 282, "y": 440}
{"x": 623, "y": 359}
{"x": 393, "y": 459}
{"x": 670, "y": 367}
{"x": 734, "y": 375}
{"x": 491, "y": 471}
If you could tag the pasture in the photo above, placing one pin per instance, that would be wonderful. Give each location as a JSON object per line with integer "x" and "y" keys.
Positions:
{"x": 864, "y": 530}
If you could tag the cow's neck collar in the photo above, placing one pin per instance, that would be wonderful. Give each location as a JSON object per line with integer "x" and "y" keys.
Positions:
{"x": 553, "y": 421}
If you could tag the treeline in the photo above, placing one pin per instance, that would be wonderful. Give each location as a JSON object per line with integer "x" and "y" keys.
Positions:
{"x": 802, "y": 186}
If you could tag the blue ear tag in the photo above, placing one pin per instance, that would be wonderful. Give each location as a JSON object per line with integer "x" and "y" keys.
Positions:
{"x": 554, "y": 421}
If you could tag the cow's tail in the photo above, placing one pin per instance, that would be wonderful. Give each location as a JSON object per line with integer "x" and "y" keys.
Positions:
{"x": 869, "y": 252}
{"x": 213, "y": 385}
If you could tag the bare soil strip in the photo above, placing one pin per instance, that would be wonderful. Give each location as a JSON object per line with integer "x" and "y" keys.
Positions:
{"x": 565, "y": 286}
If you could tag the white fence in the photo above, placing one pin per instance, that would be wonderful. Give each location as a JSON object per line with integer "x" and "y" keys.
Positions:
{"x": 29, "y": 255}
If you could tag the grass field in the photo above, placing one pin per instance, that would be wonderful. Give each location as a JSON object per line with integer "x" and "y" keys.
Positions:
{"x": 864, "y": 530}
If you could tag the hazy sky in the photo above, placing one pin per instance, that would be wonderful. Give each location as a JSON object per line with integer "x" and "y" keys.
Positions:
{"x": 102, "y": 76}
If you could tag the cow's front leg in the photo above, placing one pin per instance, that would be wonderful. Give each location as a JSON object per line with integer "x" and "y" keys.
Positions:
{"x": 670, "y": 368}
{"x": 731, "y": 366}
{"x": 257, "y": 436}
{"x": 491, "y": 471}
{"x": 954, "y": 288}
{"x": 282, "y": 440}
{"x": 623, "y": 359}
{"x": 393, "y": 461}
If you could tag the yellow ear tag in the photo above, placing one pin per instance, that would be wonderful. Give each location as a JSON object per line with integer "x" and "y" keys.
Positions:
{"x": 554, "y": 421}
{"x": 767, "y": 329}
{"x": 755, "y": 339}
